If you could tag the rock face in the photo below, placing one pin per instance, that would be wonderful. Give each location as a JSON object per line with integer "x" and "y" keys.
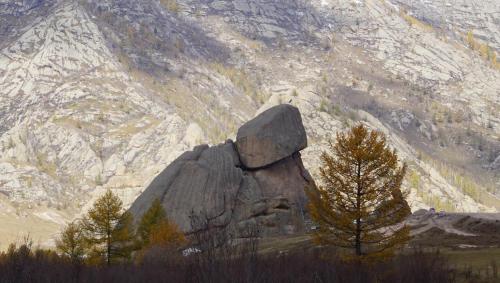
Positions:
{"x": 495, "y": 165}
{"x": 271, "y": 136}
{"x": 212, "y": 182}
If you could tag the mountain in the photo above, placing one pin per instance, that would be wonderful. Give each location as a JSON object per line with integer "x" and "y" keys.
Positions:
{"x": 98, "y": 95}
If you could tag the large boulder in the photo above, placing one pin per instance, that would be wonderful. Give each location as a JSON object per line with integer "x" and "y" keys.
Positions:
{"x": 203, "y": 181}
{"x": 211, "y": 182}
{"x": 275, "y": 134}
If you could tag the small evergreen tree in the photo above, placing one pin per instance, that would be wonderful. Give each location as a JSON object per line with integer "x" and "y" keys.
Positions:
{"x": 158, "y": 237}
{"x": 123, "y": 238}
{"x": 470, "y": 40}
{"x": 108, "y": 230}
{"x": 153, "y": 216}
{"x": 360, "y": 205}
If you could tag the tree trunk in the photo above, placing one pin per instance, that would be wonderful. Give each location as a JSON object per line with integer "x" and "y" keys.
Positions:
{"x": 108, "y": 245}
{"x": 108, "y": 239}
{"x": 358, "y": 208}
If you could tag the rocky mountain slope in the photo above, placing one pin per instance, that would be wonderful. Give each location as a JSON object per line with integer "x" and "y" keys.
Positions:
{"x": 105, "y": 94}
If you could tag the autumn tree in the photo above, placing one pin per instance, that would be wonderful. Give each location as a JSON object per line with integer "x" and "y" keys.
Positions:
{"x": 470, "y": 40}
{"x": 153, "y": 216}
{"x": 158, "y": 236}
{"x": 359, "y": 205}
{"x": 123, "y": 237}
{"x": 108, "y": 230}
{"x": 71, "y": 242}
{"x": 166, "y": 234}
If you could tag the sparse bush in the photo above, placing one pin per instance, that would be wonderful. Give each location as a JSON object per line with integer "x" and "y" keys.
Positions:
{"x": 98, "y": 180}
{"x": 240, "y": 79}
{"x": 179, "y": 45}
{"x": 323, "y": 106}
{"x": 71, "y": 242}
{"x": 414, "y": 22}
{"x": 483, "y": 48}
{"x": 353, "y": 115}
{"x": 457, "y": 178}
{"x": 414, "y": 180}
{"x": 171, "y": 5}
{"x": 45, "y": 165}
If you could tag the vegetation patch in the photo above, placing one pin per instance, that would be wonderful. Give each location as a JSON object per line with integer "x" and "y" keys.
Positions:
{"x": 486, "y": 52}
{"x": 414, "y": 22}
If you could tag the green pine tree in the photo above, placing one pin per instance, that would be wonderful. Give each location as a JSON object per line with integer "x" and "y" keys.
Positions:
{"x": 123, "y": 238}
{"x": 153, "y": 217}
{"x": 108, "y": 230}
{"x": 157, "y": 236}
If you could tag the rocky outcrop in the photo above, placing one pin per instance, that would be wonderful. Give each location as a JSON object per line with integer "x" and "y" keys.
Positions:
{"x": 495, "y": 165}
{"x": 267, "y": 20}
{"x": 212, "y": 182}
{"x": 273, "y": 135}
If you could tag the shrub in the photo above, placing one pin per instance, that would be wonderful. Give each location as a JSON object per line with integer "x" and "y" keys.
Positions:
{"x": 23, "y": 264}
{"x": 171, "y": 5}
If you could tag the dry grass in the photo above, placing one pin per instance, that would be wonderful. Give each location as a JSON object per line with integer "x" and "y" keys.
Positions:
{"x": 135, "y": 126}
{"x": 13, "y": 228}
{"x": 414, "y": 22}
{"x": 241, "y": 80}
{"x": 483, "y": 49}
{"x": 171, "y": 5}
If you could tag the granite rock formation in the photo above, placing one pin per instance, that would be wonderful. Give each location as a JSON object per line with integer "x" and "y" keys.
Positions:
{"x": 257, "y": 181}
